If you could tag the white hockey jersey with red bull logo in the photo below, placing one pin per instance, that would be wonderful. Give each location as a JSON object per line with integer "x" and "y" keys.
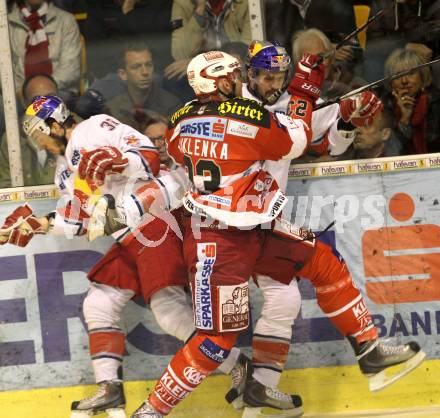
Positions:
{"x": 325, "y": 134}
{"x": 96, "y": 132}
{"x": 223, "y": 146}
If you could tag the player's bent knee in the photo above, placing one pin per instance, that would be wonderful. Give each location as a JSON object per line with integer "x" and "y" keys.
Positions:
{"x": 173, "y": 312}
{"x": 103, "y": 305}
{"x": 282, "y": 302}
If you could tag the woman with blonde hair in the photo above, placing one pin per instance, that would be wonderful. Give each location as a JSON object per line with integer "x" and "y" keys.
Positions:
{"x": 415, "y": 103}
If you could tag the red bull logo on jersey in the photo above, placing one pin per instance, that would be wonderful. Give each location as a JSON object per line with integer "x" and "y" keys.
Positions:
{"x": 205, "y": 128}
{"x": 131, "y": 140}
{"x": 206, "y": 254}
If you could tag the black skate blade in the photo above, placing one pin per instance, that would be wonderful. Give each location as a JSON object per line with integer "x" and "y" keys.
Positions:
{"x": 232, "y": 395}
{"x": 235, "y": 399}
{"x": 392, "y": 374}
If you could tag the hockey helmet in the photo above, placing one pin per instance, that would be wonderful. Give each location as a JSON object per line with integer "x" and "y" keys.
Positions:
{"x": 270, "y": 57}
{"x": 264, "y": 55}
{"x": 39, "y": 112}
{"x": 205, "y": 69}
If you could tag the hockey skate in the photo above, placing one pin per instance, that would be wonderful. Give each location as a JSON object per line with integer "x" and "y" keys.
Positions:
{"x": 105, "y": 219}
{"x": 257, "y": 397}
{"x": 385, "y": 364}
{"x": 146, "y": 411}
{"x": 248, "y": 393}
{"x": 109, "y": 398}
{"x": 242, "y": 368}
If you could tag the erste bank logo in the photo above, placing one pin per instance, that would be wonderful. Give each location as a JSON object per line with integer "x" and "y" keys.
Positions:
{"x": 205, "y": 128}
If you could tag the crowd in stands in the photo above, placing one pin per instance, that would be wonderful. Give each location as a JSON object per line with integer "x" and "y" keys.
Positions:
{"x": 128, "y": 58}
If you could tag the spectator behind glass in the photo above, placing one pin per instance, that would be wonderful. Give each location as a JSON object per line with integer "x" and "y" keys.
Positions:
{"x": 335, "y": 18}
{"x": 283, "y": 18}
{"x": 204, "y": 25}
{"x": 45, "y": 40}
{"x": 415, "y": 21}
{"x": 338, "y": 79}
{"x": 142, "y": 91}
{"x": 110, "y": 23}
{"x": 374, "y": 140}
{"x": 331, "y": 17}
{"x": 155, "y": 129}
{"x": 108, "y": 18}
{"x": 414, "y": 102}
{"x": 38, "y": 166}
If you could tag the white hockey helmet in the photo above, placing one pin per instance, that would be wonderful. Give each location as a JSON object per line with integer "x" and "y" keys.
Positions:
{"x": 205, "y": 69}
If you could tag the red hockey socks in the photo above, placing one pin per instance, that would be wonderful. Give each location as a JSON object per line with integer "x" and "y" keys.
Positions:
{"x": 269, "y": 355}
{"x": 107, "y": 348}
{"x": 337, "y": 295}
{"x": 200, "y": 356}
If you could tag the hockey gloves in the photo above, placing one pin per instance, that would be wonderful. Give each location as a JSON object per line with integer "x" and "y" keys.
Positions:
{"x": 360, "y": 109}
{"x": 96, "y": 164}
{"x": 308, "y": 78}
{"x": 20, "y": 226}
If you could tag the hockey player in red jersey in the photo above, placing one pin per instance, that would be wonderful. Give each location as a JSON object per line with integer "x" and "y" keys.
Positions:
{"x": 268, "y": 73}
{"x": 223, "y": 141}
{"x": 199, "y": 138}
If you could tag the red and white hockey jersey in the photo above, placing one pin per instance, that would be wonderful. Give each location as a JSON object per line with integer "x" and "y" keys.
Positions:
{"x": 77, "y": 198}
{"x": 224, "y": 147}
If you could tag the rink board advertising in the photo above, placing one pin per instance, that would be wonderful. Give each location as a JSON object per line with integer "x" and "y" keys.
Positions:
{"x": 387, "y": 229}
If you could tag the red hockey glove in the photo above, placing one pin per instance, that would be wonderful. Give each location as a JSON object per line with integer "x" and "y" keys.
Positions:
{"x": 20, "y": 226}
{"x": 361, "y": 108}
{"x": 96, "y": 164}
{"x": 307, "y": 81}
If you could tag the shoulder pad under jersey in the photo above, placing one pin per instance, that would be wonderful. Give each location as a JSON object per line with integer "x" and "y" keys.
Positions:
{"x": 188, "y": 109}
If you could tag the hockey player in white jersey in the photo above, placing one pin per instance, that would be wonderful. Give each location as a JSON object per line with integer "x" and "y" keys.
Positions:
{"x": 268, "y": 71}
{"x": 96, "y": 156}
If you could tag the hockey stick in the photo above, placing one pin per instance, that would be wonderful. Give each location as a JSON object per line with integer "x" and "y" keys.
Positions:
{"x": 375, "y": 84}
{"x": 275, "y": 95}
{"x": 350, "y": 36}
